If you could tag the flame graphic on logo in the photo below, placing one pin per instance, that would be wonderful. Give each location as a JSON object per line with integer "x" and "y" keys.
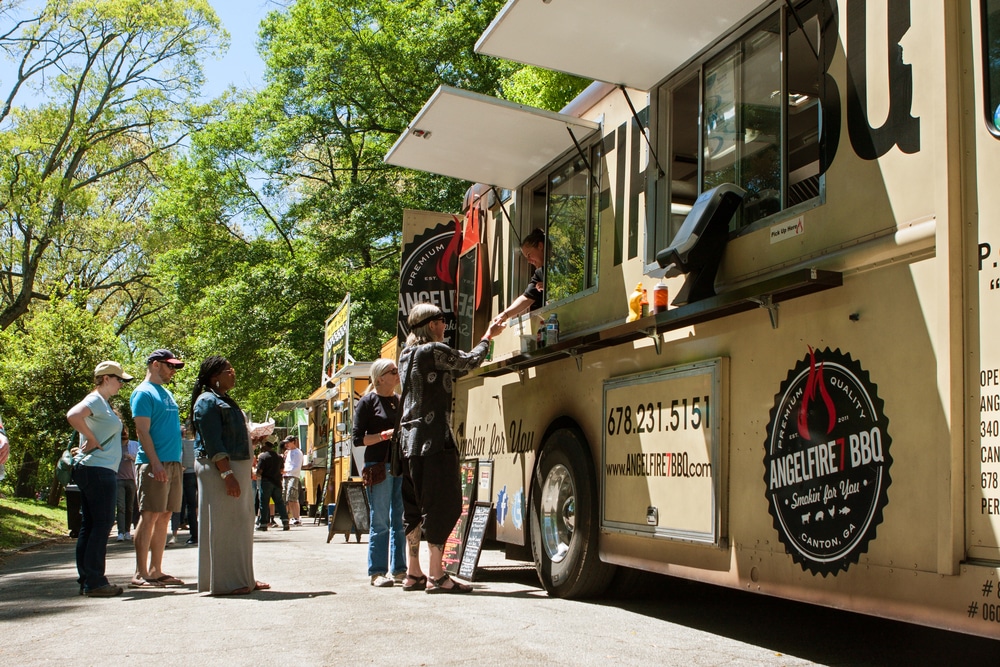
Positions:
{"x": 814, "y": 386}
{"x": 444, "y": 264}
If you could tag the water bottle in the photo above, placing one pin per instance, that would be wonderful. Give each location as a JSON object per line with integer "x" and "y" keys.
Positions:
{"x": 540, "y": 335}
{"x": 552, "y": 330}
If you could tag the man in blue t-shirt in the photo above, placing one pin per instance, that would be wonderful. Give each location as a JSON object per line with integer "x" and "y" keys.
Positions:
{"x": 160, "y": 473}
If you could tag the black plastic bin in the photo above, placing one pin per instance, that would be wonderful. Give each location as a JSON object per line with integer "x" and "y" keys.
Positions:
{"x": 73, "y": 516}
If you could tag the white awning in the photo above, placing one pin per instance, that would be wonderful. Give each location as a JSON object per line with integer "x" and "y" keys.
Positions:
{"x": 482, "y": 139}
{"x": 631, "y": 42}
{"x": 299, "y": 404}
{"x": 358, "y": 369}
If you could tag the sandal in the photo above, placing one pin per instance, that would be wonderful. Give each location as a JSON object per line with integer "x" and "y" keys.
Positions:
{"x": 455, "y": 587}
{"x": 412, "y": 583}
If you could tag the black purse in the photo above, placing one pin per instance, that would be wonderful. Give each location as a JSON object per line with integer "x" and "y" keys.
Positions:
{"x": 396, "y": 441}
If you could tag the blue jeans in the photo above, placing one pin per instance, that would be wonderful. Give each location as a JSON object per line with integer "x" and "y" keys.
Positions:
{"x": 386, "y": 535}
{"x": 98, "y": 502}
{"x": 270, "y": 491}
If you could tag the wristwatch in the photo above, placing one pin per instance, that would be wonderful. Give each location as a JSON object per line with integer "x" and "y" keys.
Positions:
{"x": 227, "y": 473}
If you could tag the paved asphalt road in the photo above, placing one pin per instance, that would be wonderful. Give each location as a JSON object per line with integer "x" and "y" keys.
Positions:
{"x": 321, "y": 611}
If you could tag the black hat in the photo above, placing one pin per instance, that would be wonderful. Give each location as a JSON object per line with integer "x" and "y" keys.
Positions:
{"x": 165, "y": 356}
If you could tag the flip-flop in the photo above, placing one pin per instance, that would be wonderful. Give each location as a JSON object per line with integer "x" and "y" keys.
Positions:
{"x": 145, "y": 583}
{"x": 168, "y": 580}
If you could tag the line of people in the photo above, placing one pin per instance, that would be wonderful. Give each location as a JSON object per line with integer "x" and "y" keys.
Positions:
{"x": 222, "y": 454}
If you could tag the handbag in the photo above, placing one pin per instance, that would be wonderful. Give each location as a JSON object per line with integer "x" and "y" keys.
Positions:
{"x": 396, "y": 441}
{"x": 374, "y": 474}
{"x": 64, "y": 466}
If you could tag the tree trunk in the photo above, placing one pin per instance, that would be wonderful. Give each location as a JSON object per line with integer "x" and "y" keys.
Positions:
{"x": 24, "y": 486}
{"x": 55, "y": 493}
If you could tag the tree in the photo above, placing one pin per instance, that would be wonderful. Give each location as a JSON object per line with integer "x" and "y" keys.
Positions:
{"x": 44, "y": 370}
{"x": 113, "y": 82}
{"x": 285, "y": 203}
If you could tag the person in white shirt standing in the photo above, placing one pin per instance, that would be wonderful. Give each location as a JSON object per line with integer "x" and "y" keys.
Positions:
{"x": 290, "y": 482}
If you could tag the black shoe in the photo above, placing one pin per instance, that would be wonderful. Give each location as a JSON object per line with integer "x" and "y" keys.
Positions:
{"x": 192, "y": 540}
{"x": 285, "y": 526}
{"x": 106, "y": 591}
{"x": 262, "y": 529}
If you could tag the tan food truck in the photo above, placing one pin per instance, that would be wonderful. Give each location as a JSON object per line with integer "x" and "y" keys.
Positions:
{"x": 816, "y": 415}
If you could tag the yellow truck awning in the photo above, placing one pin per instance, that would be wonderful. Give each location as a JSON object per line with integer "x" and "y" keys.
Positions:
{"x": 632, "y": 42}
{"x": 482, "y": 139}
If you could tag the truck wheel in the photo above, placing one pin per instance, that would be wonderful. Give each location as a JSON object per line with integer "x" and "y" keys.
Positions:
{"x": 564, "y": 523}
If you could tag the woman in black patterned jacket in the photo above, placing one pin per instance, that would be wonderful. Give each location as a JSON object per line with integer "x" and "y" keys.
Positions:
{"x": 432, "y": 490}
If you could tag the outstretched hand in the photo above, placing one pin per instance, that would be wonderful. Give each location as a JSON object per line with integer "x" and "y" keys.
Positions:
{"x": 496, "y": 327}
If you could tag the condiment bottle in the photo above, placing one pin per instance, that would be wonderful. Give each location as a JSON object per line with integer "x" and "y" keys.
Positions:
{"x": 661, "y": 298}
{"x": 635, "y": 300}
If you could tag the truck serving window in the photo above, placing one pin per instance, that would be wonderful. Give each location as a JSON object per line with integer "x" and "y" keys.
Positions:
{"x": 748, "y": 114}
{"x": 565, "y": 204}
{"x": 991, "y": 64}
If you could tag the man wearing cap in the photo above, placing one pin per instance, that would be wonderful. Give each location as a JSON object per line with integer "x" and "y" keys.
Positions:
{"x": 158, "y": 427}
{"x": 269, "y": 475}
{"x": 290, "y": 483}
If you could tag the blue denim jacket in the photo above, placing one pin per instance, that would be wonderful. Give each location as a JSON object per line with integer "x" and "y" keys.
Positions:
{"x": 221, "y": 429}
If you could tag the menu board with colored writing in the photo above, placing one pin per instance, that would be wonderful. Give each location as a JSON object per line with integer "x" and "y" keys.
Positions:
{"x": 453, "y": 546}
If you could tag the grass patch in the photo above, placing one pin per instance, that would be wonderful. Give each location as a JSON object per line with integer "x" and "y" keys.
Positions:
{"x": 26, "y": 521}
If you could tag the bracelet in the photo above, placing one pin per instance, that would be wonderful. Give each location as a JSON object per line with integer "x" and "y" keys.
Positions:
{"x": 227, "y": 473}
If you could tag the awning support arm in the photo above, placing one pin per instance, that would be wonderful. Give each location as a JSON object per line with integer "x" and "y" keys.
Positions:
{"x": 580, "y": 151}
{"x": 583, "y": 156}
{"x": 802, "y": 27}
{"x": 503, "y": 210}
{"x": 635, "y": 117}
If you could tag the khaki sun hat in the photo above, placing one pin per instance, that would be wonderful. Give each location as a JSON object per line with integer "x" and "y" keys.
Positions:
{"x": 111, "y": 368}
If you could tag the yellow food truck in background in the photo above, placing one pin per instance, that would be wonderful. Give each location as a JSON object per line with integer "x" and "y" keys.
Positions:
{"x": 817, "y": 417}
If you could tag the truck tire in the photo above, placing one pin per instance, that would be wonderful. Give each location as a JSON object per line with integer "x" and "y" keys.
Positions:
{"x": 564, "y": 519}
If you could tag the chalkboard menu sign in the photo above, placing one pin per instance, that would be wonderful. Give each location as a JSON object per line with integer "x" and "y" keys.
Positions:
{"x": 453, "y": 545}
{"x": 474, "y": 542}
{"x": 351, "y": 513}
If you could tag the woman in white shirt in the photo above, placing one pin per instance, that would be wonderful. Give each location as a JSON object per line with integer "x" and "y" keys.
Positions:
{"x": 96, "y": 473}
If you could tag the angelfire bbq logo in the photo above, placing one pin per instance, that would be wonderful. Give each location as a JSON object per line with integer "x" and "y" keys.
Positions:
{"x": 826, "y": 468}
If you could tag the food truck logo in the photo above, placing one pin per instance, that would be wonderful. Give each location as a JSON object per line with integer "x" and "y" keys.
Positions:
{"x": 826, "y": 465}
{"x": 427, "y": 274}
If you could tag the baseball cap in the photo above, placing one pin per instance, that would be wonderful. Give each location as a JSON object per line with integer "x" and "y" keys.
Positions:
{"x": 111, "y": 368}
{"x": 165, "y": 356}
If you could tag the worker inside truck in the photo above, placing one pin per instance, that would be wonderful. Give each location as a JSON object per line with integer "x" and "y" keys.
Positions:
{"x": 533, "y": 250}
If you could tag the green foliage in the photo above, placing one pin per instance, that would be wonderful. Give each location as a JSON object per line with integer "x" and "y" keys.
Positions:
{"x": 45, "y": 369}
{"x": 115, "y": 79}
{"x": 132, "y": 218}
{"x": 542, "y": 88}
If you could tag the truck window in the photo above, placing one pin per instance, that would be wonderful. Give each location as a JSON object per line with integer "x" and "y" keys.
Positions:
{"x": 748, "y": 114}
{"x": 991, "y": 63}
{"x": 566, "y": 205}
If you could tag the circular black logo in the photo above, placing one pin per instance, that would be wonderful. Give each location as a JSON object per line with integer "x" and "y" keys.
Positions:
{"x": 826, "y": 468}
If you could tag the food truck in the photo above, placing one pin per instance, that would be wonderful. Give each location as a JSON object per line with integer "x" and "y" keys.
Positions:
{"x": 813, "y": 412}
